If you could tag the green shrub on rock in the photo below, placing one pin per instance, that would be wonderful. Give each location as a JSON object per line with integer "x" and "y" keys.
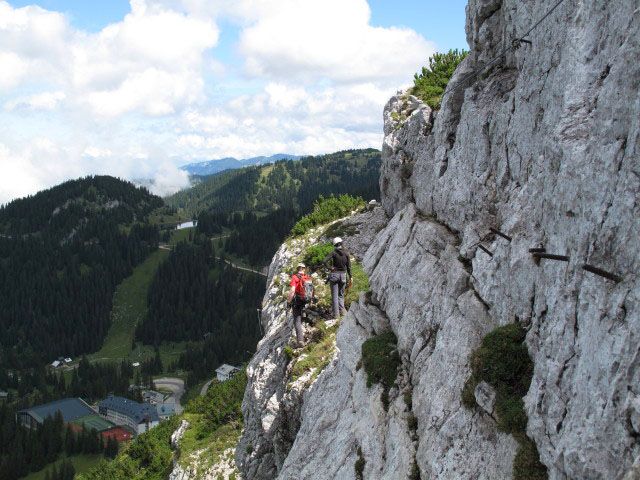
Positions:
{"x": 326, "y": 210}
{"x": 381, "y": 361}
{"x": 359, "y": 465}
{"x": 526, "y": 463}
{"x": 430, "y": 85}
{"x": 502, "y": 360}
{"x": 316, "y": 254}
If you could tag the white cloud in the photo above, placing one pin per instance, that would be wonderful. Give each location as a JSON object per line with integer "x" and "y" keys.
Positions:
{"x": 150, "y": 62}
{"x": 40, "y": 101}
{"x": 313, "y": 78}
{"x": 285, "y": 118}
{"x": 13, "y": 70}
{"x": 333, "y": 39}
{"x": 305, "y": 40}
{"x": 168, "y": 179}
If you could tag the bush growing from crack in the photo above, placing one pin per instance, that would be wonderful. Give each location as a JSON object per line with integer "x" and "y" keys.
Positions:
{"x": 325, "y": 210}
{"x": 502, "y": 360}
{"x": 381, "y": 361}
{"x": 359, "y": 465}
{"x": 414, "y": 473}
{"x": 430, "y": 85}
{"x": 316, "y": 253}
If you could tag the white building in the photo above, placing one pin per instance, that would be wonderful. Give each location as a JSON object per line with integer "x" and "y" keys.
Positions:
{"x": 139, "y": 417}
{"x": 225, "y": 372}
{"x": 152, "y": 397}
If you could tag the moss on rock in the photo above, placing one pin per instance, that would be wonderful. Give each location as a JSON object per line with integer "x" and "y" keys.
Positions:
{"x": 381, "y": 361}
{"x": 502, "y": 360}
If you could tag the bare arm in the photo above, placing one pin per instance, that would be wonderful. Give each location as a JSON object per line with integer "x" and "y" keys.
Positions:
{"x": 292, "y": 292}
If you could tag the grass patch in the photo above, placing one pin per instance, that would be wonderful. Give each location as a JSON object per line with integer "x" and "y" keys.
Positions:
{"x": 181, "y": 235}
{"x": 212, "y": 445}
{"x": 317, "y": 354}
{"x": 290, "y": 352}
{"x": 81, "y": 463}
{"x": 339, "y": 229}
{"x": 360, "y": 284}
{"x": 129, "y": 307}
{"x": 381, "y": 361}
{"x": 169, "y": 352}
{"x": 502, "y": 360}
{"x": 359, "y": 465}
{"x": 164, "y": 217}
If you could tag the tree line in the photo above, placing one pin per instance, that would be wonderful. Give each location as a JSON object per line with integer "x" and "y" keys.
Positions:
{"x": 195, "y": 297}
{"x": 24, "y": 450}
{"x": 261, "y": 204}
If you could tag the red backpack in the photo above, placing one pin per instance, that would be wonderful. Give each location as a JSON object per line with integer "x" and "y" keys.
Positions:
{"x": 304, "y": 288}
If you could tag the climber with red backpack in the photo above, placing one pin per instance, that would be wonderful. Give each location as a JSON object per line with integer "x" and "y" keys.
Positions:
{"x": 300, "y": 293}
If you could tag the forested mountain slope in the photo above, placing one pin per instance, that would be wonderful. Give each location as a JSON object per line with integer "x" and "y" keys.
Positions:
{"x": 62, "y": 253}
{"x": 257, "y": 206}
{"x": 285, "y": 184}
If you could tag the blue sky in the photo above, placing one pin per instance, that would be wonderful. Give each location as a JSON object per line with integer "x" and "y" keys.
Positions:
{"x": 136, "y": 89}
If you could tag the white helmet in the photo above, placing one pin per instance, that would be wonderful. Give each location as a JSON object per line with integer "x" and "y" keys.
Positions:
{"x": 336, "y": 241}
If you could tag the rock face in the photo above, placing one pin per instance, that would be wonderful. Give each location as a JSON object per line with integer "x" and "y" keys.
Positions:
{"x": 272, "y": 406}
{"x": 542, "y": 146}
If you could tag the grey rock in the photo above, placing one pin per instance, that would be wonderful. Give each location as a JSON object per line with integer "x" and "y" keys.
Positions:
{"x": 485, "y": 396}
{"x": 178, "y": 434}
{"x": 544, "y": 145}
{"x": 273, "y": 408}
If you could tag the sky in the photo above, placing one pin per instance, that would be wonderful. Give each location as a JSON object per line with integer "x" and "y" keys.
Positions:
{"x": 137, "y": 89}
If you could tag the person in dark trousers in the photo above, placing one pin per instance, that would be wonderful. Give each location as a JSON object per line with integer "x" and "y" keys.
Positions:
{"x": 340, "y": 269}
{"x": 296, "y": 303}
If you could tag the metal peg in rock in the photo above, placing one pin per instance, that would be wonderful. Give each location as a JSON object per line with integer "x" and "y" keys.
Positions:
{"x": 602, "y": 273}
{"x": 498, "y": 232}
{"x": 551, "y": 256}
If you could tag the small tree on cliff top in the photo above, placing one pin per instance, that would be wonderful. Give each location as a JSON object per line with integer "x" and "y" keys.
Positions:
{"x": 429, "y": 86}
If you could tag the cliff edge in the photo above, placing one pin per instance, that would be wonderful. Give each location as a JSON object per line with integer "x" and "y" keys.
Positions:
{"x": 535, "y": 147}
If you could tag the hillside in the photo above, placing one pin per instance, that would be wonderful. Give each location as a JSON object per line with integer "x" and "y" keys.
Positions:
{"x": 71, "y": 244}
{"x": 286, "y": 184}
{"x": 254, "y": 208}
{"x": 207, "y": 433}
{"x": 499, "y": 338}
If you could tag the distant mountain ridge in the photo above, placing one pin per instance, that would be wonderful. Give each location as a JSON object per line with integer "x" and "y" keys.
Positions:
{"x": 211, "y": 167}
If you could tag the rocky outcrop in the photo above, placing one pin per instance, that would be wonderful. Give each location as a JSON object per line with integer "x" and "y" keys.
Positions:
{"x": 543, "y": 148}
{"x": 272, "y": 405}
{"x": 538, "y": 150}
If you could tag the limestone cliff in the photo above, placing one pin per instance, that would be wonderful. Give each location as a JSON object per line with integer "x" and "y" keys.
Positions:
{"x": 543, "y": 147}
